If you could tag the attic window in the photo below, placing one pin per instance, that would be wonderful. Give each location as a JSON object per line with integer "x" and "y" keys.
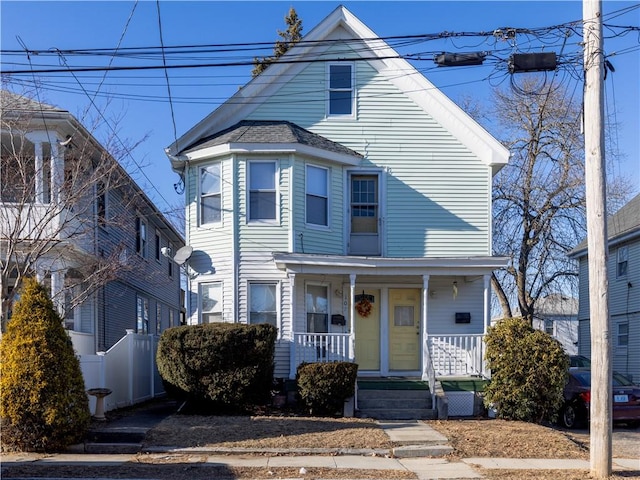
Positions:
{"x": 340, "y": 93}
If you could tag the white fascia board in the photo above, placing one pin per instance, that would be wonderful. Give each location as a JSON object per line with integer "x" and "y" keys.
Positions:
{"x": 272, "y": 148}
{"x": 381, "y": 266}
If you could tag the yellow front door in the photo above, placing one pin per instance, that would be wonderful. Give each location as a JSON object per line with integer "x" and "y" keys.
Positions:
{"x": 404, "y": 329}
{"x": 368, "y": 333}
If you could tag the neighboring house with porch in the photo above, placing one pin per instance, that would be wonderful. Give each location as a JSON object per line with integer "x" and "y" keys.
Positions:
{"x": 346, "y": 201}
{"x": 557, "y": 314}
{"x": 71, "y": 216}
{"x": 623, "y": 270}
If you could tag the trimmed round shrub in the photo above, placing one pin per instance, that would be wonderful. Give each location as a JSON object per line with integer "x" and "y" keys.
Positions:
{"x": 223, "y": 363}
{"x": 324, "y": 387}
{"x": 528, "y": 372}
{"x": 44, "y": 406}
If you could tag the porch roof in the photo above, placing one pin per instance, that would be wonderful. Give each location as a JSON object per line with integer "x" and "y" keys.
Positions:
{"x": 340, "y": 264}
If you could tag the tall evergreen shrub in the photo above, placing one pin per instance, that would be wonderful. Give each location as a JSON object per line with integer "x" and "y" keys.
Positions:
{"x": 43, "y": 406}
{"x": 528, "y": 372}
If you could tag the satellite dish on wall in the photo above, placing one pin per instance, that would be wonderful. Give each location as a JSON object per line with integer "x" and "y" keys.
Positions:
{"x": 183, "y": 254}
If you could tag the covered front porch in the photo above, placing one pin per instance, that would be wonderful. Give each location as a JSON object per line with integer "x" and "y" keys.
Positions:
{"x": 395, "y": 317}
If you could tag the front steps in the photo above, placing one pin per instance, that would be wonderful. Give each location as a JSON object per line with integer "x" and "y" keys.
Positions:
{"x": 388, "y": 399}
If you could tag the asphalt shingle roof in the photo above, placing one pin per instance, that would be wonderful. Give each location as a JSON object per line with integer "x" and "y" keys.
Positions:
{"x": 270, "y": 131}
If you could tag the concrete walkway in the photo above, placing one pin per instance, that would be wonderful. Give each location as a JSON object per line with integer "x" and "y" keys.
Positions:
{"x": 424, "y": 468}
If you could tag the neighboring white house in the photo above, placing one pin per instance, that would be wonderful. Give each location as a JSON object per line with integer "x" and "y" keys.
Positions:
{"x": 557, "y": 315}
{"x": 69, "y": 214}
{"x": 344, "y": 199}
{"x": 624, "y": 290}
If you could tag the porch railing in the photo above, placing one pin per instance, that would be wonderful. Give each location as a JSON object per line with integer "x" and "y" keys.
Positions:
{"x": 453, "y": 355}
{"x": 318, "y": 347}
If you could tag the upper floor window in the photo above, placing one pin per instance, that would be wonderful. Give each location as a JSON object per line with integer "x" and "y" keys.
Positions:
{"x": 623, "y": 257}
{"x": 157, "y": 245}
{"x": 101, "y": 203}
{"x": 141, "y": 237}
{"x": 317, "y": 196}
{"x": 623, "y": 334}
{"x": 341, "y": 96}
{"x": 210, "y": 194}
{"x": 211, "y": 302}
{"x": 170, "y": 261}
{"x": 262, "y": 191}
{"x": 317, "y": 305}
{"x": 263, "y": 303}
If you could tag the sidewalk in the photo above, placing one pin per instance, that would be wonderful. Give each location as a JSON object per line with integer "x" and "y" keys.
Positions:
{"x": 419, "y": 449}
{"x": 424, "y": 468}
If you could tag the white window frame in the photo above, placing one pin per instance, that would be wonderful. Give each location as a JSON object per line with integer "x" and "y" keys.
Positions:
{"x": 352, "y": 89}
{"x": 142, "y": 314}
{"x": 275, "y": 191}
{"x": 202, "y": 195}
{"x": 170, "y": 260}
{"x": 622, "y": 262}
{"x": 141, "y": 237}
{"x": 276, "y": 284}
{"x": 215, "y": 309}
{"x": 622, "y": 335}
{"x": 327, "y": 197}
{"x": 312, "y": 309}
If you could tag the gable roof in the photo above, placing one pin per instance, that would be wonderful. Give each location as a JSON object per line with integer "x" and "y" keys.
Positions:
{"x": 385, "y": 60}
{"x": 621, "y": 226}
{"x": 271, "y": 136}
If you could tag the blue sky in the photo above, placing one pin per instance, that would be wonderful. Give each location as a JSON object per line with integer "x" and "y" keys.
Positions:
{"x": 138, "y": 99}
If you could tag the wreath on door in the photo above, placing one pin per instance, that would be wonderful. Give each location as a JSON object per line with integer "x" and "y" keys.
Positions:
{"x": 363, "y": 307}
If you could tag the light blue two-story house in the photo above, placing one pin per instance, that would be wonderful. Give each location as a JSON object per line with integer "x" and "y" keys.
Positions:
{"x": 344, "y": 199}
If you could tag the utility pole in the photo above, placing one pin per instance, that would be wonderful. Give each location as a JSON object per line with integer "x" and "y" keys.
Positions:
{"x": 601, "y": 388}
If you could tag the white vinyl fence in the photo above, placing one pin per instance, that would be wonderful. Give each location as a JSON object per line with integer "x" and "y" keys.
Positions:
{"x": 128, "y": 369}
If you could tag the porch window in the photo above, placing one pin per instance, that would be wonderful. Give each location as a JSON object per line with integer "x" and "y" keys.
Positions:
{"x": 142, "y": 315}
{"x": 210, "y": 194}
{"x": 262, "y": 191}
{"x": 317, "y": 196}
{"x": 340, "y": 92}
{"x": 317, "y": 304}
{"x": 623, "y": 257}
{"x": 211, "y": 302}
{"x": 158, "y": 318}
{"x": 263, "y": 303}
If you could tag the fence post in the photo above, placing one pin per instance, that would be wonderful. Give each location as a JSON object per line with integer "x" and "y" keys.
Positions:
{"x": 131, "y": 363}
{"x": 152, "y": 348}
{"x": 102, "y": 376}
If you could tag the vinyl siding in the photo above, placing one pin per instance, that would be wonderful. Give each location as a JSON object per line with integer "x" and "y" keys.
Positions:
{"x": 447, "y": 187}
{"x": 442, "y": 306}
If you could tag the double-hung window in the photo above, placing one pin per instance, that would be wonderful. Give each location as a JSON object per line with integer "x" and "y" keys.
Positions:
{"x": 141, "y": 237}
{"x": 101, "y": 203}
{"x": 317, "y": 305}
{"x": 210, "y": 194}
{"x": 317, "y": 196}
{"x": 623, "y": 335}
{"x": 142, "y": 315}
{"x": 340, "y": 94}
{"x": 623, "y": 262}
{"x": 263, "y": 305}
{"x": 262, "y": 191}
{"x": 211, "y": 302}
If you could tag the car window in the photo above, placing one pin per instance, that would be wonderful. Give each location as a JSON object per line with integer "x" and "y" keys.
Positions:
{"x": 619, "y": 380}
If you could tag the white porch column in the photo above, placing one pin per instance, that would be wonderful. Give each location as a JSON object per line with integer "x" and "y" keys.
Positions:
{"x": 57, "y": 171}
{"x": 57, "y": 287}
{"x": 293, "y": 361}
{"x": 425, "y": 332}
{"x": 487, "y": 302}
{"x": 352, "y": 318}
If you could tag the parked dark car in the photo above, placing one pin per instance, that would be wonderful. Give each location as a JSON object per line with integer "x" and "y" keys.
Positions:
{"x": 577, "y": 397}
{"x": 579, "y": 361}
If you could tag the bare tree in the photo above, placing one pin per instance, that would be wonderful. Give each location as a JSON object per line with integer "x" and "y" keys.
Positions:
{"x": 55, "y": 183}
{"x": 539, "y": 197}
